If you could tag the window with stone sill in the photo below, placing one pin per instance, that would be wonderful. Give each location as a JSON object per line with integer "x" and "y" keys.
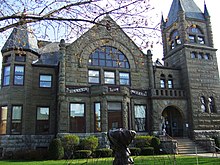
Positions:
{"x": 42, "y": 123}
{"x": 94, "y": 76}
{"x": 19, "y": 75}
{"x": 16, "y": 119}
{"x": 77, "y": 118}
{"x": 3, "y": 119}
{"x": 45, "y": 81}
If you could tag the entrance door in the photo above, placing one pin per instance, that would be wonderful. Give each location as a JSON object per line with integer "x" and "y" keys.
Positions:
{"x": 173, "y": 121}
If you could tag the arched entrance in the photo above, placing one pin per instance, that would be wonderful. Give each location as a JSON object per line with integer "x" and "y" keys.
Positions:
{"x": 172, "y": 121}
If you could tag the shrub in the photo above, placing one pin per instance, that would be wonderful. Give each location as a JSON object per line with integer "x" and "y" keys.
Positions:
{"x": 89, "y": 143}
{"x": 135, "y": 151}
{"x": 103, "y": 152}
{"x": 69, "y": 144}
{"x": 155, "y": 143}
{"x": 147, "y": 151}
{"x": 83, "y": 154}
{"x": 142, "y": 141}
{"x": 56, "y": 150}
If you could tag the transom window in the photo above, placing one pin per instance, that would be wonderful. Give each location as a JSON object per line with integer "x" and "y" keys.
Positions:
{"x": 20, "y": 57}
{"x": 109, "y": 57}
{"x": 124, "y": 78}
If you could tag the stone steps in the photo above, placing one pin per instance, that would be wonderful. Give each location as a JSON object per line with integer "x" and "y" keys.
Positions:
{"x": 187, "y": 146}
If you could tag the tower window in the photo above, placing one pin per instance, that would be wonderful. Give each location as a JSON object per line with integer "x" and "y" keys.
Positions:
{"x": 170, "y": 82}
{"x": 196, "y": 35}
{"x": 203, "y": 104}
{"x": 162, "y": 81}
{"x": 212, "y": 105}
{"x": 16, "y": 119}
{"x": 174, "y": 39}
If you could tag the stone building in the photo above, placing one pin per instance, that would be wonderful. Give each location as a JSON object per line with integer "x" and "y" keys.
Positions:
{"x": 103, "y": 81}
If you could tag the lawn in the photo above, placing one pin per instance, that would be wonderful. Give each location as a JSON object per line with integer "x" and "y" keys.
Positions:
{"x": 140, "y": 160}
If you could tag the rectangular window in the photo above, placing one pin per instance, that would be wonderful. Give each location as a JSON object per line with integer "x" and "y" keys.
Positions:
{"x": 6, "y": 75}
{"x": 170, "y": 84}
{"x": 20, "y": 57}
{"x": 3, "y": 119}
{"x": 19, "y": 75}
{"x": 16, "y": 119}
{"x": 45, "y": 81}
{"x": 42, "y": 124}
{"x": 162, "y": 83}
{"x": 201, "y": 40}
{"x": 124, "y": 78}
{"x": 114, "y": 115}
{"x": 192, "y": 39}
{"x": 77, "y": 117}
{"x": 140, "y": 117}
{"x": 97, "y": 117}
{"x": 109, "y": 77}
{"x": 94, "y": 76}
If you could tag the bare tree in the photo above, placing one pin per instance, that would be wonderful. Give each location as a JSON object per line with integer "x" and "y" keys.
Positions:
{"x": 56, "y": 19}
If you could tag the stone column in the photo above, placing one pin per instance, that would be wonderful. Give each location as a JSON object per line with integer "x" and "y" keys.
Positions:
{"x": 63, "y": 112}
{"x": 104, "y": 114}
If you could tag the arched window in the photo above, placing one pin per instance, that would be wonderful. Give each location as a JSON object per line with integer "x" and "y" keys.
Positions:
{"x": 212, "y": 104}
{"x": 196, "y": 35}
{"x": 203, "y": 104}
{"x": 162, "y": 81}
{"x": 174, "y": 39}
{"x": 170, "y": 81}
{"x": 101, "y": 60}
{"x": 107, "y": 56}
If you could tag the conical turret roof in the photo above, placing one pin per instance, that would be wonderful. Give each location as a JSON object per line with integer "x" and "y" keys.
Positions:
{"x": 21, "y": 38}
{"x": 189, "y": 7}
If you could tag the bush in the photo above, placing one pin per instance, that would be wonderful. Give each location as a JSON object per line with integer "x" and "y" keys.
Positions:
{"x": 89, "y": 143}
{"x": 103, "y": 152}
{"x": 147, "y": 151}
{"x": 135, "y": 151}
{"x": 155, "y": 143}
{"x": 142, "y": 141}
{"x": 69, "y": 144}
{"x": 56, "y": 150}
{"x": 83, "y": 154}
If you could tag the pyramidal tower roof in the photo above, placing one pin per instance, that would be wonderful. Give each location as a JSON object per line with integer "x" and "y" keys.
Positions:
{"x": 21, "y": 38}
{"x": 188, "y": 6}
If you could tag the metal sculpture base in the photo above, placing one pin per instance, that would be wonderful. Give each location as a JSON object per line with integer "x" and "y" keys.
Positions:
{"x": 119, "y": 141}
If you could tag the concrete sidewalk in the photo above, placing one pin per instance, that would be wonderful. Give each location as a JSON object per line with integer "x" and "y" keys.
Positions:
{"x": 214, "y": 155}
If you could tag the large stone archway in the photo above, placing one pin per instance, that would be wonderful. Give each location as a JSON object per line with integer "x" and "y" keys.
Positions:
{"x": 172, "y": 121}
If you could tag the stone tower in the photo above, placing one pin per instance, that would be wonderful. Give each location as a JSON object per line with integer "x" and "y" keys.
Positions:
{"x": 188, "y": 45}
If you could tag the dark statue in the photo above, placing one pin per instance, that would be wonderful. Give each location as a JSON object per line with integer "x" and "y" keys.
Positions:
{"x": 119, "y": 141}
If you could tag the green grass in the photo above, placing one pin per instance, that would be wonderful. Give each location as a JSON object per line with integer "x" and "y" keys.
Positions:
{"x": 140, "y": 160}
